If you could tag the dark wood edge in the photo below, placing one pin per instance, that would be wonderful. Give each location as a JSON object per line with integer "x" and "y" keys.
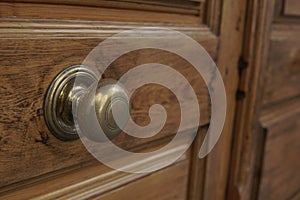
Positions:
{"x": 116, "y": 4}
{"x": 197, "y": 168}
{"x": 280, "y": 17}
{"x": 20, "y": 28}
{"x": 212, "y": 16}
{"x": 103, "y": 172}
{"x": 243, "y": 162}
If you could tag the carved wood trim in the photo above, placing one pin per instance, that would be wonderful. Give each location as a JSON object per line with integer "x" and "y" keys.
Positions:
{"x": 256, "y": 42}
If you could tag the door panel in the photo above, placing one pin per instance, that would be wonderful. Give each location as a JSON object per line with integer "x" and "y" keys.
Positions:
{"x": 94, "y": 180}
{"x": 41, "y": 38}
{"x": 283, "y": 74}
{"x": 28, "y": 67}
{"x": 280, "y": 166}
{"x": 292, "y": 7}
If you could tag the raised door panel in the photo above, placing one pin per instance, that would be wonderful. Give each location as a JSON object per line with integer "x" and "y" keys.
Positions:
{"x": 187, "y": 7}
{"x": 39, "y": 40}
{"x": 280, "y": 177}
{"x": 292, "y": 7}
{"x": 283, "y": 75}
{"x": 168, "y": 184}
{"x": 96, "y": 11}
{"x": 269, "y": 79}
{"x": 28, "y": 66}
{"x": 96, "y": 181}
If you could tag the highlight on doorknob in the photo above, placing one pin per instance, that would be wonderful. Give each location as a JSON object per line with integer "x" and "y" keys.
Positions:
{"x": 66, "y": 103}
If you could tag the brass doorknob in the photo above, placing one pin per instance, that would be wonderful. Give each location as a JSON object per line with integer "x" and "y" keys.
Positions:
{"x": 75, "y": 95}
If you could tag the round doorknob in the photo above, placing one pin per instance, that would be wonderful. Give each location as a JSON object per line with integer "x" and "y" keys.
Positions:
{"x": 75, "y": 96}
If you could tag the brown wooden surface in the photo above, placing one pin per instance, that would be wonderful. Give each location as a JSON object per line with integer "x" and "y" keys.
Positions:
{"x": 191, "y": 7}
{"x": 281, "y": 14}
{"x": 292, "y": 7}
{"x": 167, "y": 184}
{"x": 231, "y": 39}
{"x": 246, "y": 140}
{"x": 96, "y": 180}
{"x": 267, "y": 81}
{"x": 52, "y": 11}
{"x": 283, "y": 75}
{"x": 45, "y": 38}
{"x": 29, "y": 65}
{"x": 33, "y": 51}
{"x": 296, "y": 196}
{"x": 280, "y": 177}
{"x": 197, "y": 169}
{"x": 76, "y": 29}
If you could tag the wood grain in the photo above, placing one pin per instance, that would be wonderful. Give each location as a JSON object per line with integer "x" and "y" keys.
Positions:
{"x": 292, "y": 7}
{"x": 96, "y": 179}
{"x": 246, "y": 140}
{"x": 173, "y": 6}
{"x": 213, "y": 15}
{"x": 283, "y": 75}
{"x": 52, "y": 11}
{"x": 168, "y": 184}
{"x": 281, "y": 15}
{"x": 230, "y": 48}
{"x": 38, "y": 40}
{"x": 279, "y": 174}
{"x": 265, "y": 72}
{"x": 28, "y": 66}
{"x": 197, "y": 169}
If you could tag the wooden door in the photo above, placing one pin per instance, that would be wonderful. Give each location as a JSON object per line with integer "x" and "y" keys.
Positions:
{"x": 265, "y": 162}
{"x": 41, "y": 38}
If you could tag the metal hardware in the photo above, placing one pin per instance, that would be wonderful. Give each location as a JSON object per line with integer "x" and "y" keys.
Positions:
{"x": 242, "y": 65}
{"x": 240, "y": 95}
{"x": 62, "y": 93}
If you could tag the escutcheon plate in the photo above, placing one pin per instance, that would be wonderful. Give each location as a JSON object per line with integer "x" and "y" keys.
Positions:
{"x": 59, "y": 97}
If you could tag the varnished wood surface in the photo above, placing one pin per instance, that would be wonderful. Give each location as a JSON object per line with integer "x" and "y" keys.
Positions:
{"x": 285, "y": 12}
{"x": 267, "y": 81}
{"x": 292, "y": 7}
{"x": 28, "y": 66}
{"x": 38, "y": 41}
{"x": 246, "y": 141}
{"x": 95, "y": 180}
{"x": 231, "y": 41}
{"x": 52, "y": 11}
{"x": 56, "y": 36}
{"x": 283, "y": 75}
{"x": 197, "y": 169}
{"x": 280, "y": 177}
{"x": 77, "y": 29}
{"x": 32, "y": 63}
{"x": 174, "y": 6}
{"x": 167, "y": 184}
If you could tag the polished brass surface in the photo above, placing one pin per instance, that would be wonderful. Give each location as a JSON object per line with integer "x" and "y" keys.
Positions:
{"x": 62, "y": 93}
{"x": 110, "y": 95}
{"x": 59, "y": 98}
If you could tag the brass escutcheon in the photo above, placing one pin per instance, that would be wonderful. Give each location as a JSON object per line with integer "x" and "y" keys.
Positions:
{"x": 63, "y": 93}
